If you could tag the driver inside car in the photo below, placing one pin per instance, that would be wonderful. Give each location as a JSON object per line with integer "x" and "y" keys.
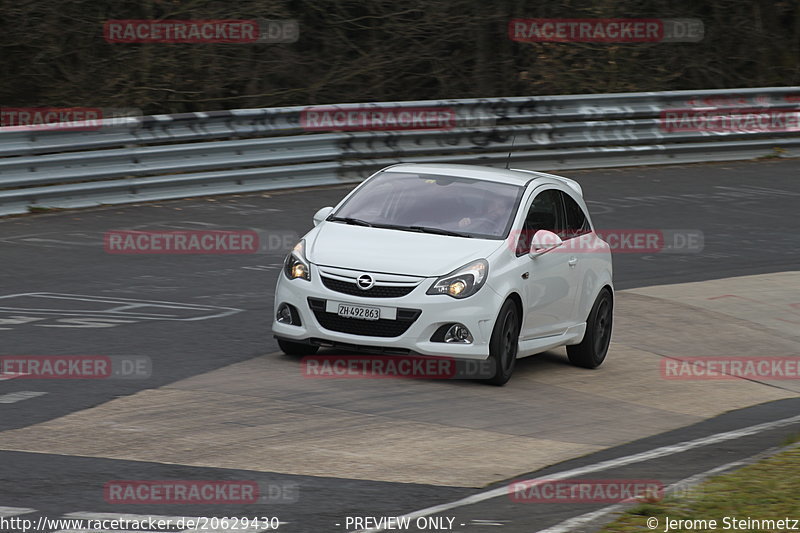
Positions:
{"x": 496, "y": 213}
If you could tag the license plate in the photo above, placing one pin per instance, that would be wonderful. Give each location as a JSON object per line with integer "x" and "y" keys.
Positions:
{"x": 358, "y": 311}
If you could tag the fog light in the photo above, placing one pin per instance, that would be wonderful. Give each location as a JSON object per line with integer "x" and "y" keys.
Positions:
{"x": 458, "y": 333}
{"x": 284, "y": 314}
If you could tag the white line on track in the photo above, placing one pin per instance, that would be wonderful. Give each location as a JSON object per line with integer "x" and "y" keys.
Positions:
{"x": 498, "y": 523}
{"x": 14, "y": 397}
{"x": 84, "y": 515}
{"x": 14, "y": 511}
{"x": 641, "y": 457}
{"x": 588, "y": 518}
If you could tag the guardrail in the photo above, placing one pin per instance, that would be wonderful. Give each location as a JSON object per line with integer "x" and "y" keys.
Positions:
{"x": 193, "y": 154}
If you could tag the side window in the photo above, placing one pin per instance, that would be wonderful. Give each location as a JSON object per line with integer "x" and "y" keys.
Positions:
{"x": 576, "y": 223}
{"x": 544, "y": 213}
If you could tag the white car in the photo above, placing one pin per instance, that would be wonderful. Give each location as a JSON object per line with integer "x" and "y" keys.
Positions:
{"x": 460, "y": 261}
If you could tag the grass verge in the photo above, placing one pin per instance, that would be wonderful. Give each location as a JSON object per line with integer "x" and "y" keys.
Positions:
{"x": 768, "y": 490}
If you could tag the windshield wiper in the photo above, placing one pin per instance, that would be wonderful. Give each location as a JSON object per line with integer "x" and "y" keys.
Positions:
{"x": 438, "y": 231}
{"x": 349, "y": 220}
{"x": 418, "y": 229}
{"x": 424, "y": 229}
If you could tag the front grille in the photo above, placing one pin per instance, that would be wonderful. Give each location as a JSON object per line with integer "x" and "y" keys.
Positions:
{"x": 377, "y": 291}
{"x": 370, "y": 328}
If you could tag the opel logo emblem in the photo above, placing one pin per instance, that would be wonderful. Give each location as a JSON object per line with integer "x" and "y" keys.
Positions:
{"x": 365, "y": 282}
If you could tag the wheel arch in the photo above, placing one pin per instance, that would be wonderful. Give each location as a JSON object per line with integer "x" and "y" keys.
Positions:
{"x": 517, "y": 299}
{"x": 610, "y": 289}
{"x": 593, "y": 285}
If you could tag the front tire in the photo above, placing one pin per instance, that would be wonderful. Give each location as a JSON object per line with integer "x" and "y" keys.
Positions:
{"x": 504, "y": 344}
{"x": 592, "y": 350}
{"x": 296, "y": 348}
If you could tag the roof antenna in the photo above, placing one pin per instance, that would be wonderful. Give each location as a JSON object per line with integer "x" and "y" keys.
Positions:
{"x": 508, "y": 159}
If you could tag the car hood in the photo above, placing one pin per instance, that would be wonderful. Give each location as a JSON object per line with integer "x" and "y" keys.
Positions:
{"x": 393, "y": 251}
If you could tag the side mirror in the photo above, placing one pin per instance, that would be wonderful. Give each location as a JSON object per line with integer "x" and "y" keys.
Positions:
{"x": 322, "y": 214}
{"x": 543, "y": 241}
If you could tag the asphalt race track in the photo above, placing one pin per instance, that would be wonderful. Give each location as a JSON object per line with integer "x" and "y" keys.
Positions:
{"x": 220, "y": 403}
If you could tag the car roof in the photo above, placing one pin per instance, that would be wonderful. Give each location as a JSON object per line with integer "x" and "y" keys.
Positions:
{"x": 500, "y": 175}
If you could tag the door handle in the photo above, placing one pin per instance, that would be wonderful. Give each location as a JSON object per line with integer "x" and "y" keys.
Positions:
{"x": 572, "y": 261}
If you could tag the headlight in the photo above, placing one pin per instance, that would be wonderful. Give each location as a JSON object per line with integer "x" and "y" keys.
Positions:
{"x": 462, "y": 282}
{"x": 296, "y": 266}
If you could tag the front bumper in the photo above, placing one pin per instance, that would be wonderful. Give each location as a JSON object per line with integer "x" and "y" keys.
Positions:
{"x": 477, "y": 313}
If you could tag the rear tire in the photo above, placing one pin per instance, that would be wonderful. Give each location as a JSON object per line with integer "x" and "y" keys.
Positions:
{"x": 592, "y": 350}
{"x": 297, "y": 348}
{"x": 504, "y": 344}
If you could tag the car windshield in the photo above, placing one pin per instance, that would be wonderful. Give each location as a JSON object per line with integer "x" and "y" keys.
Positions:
{"x": 432, "y": 203}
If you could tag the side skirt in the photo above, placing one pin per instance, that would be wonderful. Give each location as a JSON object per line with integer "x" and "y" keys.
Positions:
{"x": 573, "y": 335}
